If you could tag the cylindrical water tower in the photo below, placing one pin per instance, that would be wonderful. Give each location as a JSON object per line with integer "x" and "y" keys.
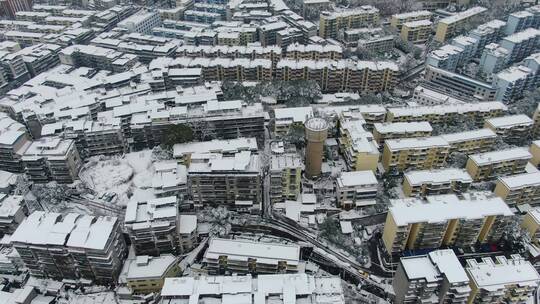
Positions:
{"x": 316, "y": 134}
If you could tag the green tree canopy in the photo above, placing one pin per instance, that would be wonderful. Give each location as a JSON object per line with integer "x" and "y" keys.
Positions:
{"x": 177, "y": 134}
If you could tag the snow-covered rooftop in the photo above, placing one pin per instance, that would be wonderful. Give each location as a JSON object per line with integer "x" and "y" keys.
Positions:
{"x": 416, "y": 143}
{"x": 463, "y": 15}
{"x": 402, "y": 127}
{"x": 441, "y": 208}
{"x": 521, "y": 180}
{"x": 279, "y": 288}
{"x": 72, "y": 230}
{"x": 229, "y": 146}
{"x": 510, "y": 121}
{"x": 487, "y": 158}
{"x": 454, "y": 138}
{"x": 493, "y": 275}
{"x": 357, "y": 179}
{"x": 242, "y": 250}
{"x": 148, "y": 267}
{"x": 437, "y": 176}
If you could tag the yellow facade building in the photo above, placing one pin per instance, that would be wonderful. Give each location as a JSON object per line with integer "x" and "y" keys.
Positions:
{"x": 470, "y": 142}
{"x": 416, "y": 31}
{"x": 398, "y": 20}
{"x": 389, "y": 130}
{"x": 535, "y": 152}
{"x": 475, "y": 112}
{"x": 433, "y": 182}
{"x": 512, "y": 128}
{"x": 531, "y": 223}
{"x": 146, "y": 274}
{"x": 415, "y": 153}
{"x": 360, "y": 151}
{"x": 452, "y": 25}
{"x": 444, "y": 220}
{"x": 519, "y": 189}
{"x": 330, "y": 23}
{"x": 536, "y": 126}
{"x": 490, "y": 165}
{"x": 501, "y": 280}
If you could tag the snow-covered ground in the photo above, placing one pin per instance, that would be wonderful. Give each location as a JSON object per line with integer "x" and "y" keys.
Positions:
{"x": 127, "y": 176}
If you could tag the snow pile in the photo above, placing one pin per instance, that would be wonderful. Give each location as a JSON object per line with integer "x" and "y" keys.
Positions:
{"x": 127, "y": 176}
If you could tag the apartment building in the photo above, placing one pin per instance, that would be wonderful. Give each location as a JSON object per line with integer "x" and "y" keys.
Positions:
{"x": 357, "y": 145}
{"x": 536, "y": 125}
{"x": 415, "y": 153}
{"x": 424, "y": 96}
{"x": 341, "y": 75}
{"x": 272, "y": 53}
{"x": 314, "y": 52}
{"x": 433, "y": 182}
{"x": 40, "y": 57}
{"x": 447, "y": 57}
{"x": 534, "y": 149}
{"x": 450, "y": 26}
{"x": 512, "y": 129}
{"x": 501, "y": 280}
{"x": 284, "y": 118}
{"x": 183, "y": 152}
{"x": 394, "y": 130}
{"x": 519, "y": 189}
{"x": 14, "y": 141}
{"x": 444, "y": 220}
{"x": 468, "y": 45}
{"x": 71, "y": 246}
{"x": 330, "y": 23}
{"x": 458, "y": 85}
{"x": 520, "y": 20}
{"x": 512, "y": 82}
{"x": 476, "y": 112}
{"x": 531, "y": 223}
{"x": 489, "y": 32}
{"x": 13, "y": 211}
{"x": 265, "y": 288}
{"x": 489, "y": 165}
{"x": 521, "y": 44}
{"x": 376, "y": 43}
{"x": 398, "y": 20}
{"x": 493, "y": 60}
{"x": 52, "y": 158}
{"x": 471, "y": 142}
{"x": 189, "y": 236}
{"x": 285, "y": 177}
{"x": 268, "y": 32}
{"x": 142, "y": 22}
{"x": 354, "y": 187}
{"x": 416, "y": 31}
{"x": 145, "y": 274}
{"x": 9, "y": 8}
{"x": 153, "y": 225}
{"x": 170, "y": 179}
{"x": 234, "y": 181}
{"x": 437, "y": 277}
{"x": 220, "y": 69}
{"x": 97, "y": 58}
{"x": 224, "y": 120}
{"x": 226, "y": 256}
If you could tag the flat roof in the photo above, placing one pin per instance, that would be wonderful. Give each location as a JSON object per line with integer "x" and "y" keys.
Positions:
{"x": 521, "y": 180}
{"x": 416, "y": 143}
{"x": 242, "y": 250}
{"x": 496, "y": 275}
{"x": 510, "y": 121}
{"x": 437, "y": 176}
{"x": 487, "y": 158}
{"x": 441, "y": 208}
{"x": 356, "y": 178}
